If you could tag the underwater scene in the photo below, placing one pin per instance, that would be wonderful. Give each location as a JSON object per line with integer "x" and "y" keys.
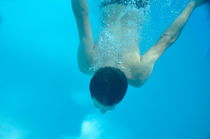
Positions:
{"x": 44, "y": 94}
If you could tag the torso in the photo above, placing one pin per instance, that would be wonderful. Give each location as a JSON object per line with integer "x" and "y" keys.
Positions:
{"x": 118, "y": 42}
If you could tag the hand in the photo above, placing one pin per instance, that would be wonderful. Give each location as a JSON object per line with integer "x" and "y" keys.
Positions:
{"x": 199, "y": 2}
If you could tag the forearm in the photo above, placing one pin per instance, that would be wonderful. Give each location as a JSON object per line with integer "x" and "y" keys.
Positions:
{"x": 80, "y": 9}
{"x": 86, "y": 46}
{"x": 79, "y": 6}
{"x": 171, "y": 34}
{"x": 174, "y": 30}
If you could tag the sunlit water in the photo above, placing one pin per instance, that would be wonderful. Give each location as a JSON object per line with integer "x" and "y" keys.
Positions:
{"x": 44, "y": 96}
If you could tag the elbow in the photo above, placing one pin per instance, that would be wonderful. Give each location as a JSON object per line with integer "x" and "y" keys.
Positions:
{"x": 169, "y": 38}
{"x": 172, "y": 39}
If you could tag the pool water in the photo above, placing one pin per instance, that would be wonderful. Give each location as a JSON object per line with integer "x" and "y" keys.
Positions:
{"x": 44, "y": 96}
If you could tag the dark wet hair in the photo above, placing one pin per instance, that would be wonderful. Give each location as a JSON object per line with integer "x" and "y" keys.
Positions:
{"x": 108, "y": 86}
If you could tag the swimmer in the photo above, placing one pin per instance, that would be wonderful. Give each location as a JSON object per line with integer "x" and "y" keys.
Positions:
{"x": 111, "y": 78}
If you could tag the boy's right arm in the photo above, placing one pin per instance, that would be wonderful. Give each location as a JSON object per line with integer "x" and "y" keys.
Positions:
{"x": 86, "y": 46}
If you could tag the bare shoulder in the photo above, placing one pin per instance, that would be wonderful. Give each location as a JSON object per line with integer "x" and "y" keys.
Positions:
{"x": 140, "y": 72}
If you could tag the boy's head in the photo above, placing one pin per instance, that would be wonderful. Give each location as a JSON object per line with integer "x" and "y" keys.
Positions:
{"x": 108, "y": 87}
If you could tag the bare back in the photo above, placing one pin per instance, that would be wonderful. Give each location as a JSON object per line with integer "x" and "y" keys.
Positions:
{"x": 118, "y": 42}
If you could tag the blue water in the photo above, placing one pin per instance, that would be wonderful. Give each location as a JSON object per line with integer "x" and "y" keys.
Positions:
{"x": 44, "y": 96}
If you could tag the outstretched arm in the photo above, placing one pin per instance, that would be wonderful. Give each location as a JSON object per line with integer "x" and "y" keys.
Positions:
{"x": 85, "y": 51}
{"x": 172, "y": 33}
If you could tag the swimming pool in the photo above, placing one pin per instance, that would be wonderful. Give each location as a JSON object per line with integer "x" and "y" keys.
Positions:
{"x": 44, "y": 96}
